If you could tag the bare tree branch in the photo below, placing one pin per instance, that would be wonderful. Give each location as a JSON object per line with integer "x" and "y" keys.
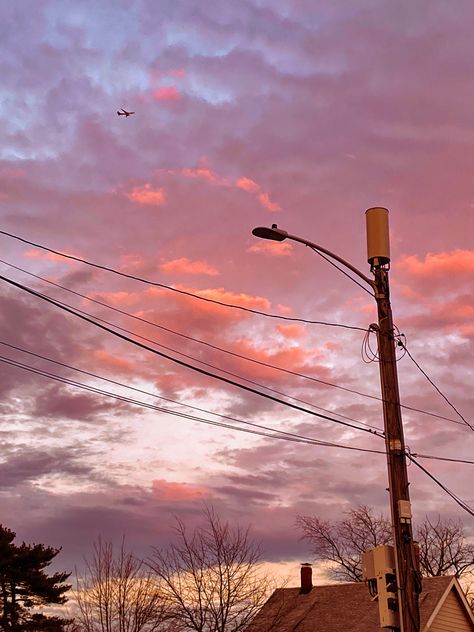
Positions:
{"x": 211, "y": 578}
{"x": 444, "y": 548}
{"x": 117, "y": 593}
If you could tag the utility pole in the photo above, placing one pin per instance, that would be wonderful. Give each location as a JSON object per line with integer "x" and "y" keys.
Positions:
{"x": 378, "y": 249}
{"x": 408, "y": 580}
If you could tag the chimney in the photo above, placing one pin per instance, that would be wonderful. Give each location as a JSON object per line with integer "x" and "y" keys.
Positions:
{"x": 306, "y": 578}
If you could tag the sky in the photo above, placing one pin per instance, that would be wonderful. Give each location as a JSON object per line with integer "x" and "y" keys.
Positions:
{"x": 247, "y": 113}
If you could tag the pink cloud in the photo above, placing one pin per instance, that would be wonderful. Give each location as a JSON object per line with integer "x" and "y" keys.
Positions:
{"x": 179, "y": 73}
{"x": 291, "y": 331}
{"x": 197, "y": 317}
{"x": 247, "y": 185}
{"x": 265, "y": 201}
{"x": 10, "y": 172}
{"x": 293, "y": 358}
{"x": 147, "y": 195}
{"x": 245, "y": 300}
{"x": 186, "y": 266}
{"x": 46, "y": 256}
{"x": 166, "y": 93}
{"x": 442, "y": 264}
{"x": 177, "y": 492}
{"x": 112, "y": 362}
{"x": 116, "y": 298}
{"x": 272, "y": 248}
{"x": 156, "y": 74}
{"x": 203, "y": 173}
{"x": 285, "y": 310}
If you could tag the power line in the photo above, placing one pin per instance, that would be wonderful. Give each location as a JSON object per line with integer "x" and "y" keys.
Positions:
{"x": 437, "y": 388}
{"x": 276, "y": 433}
{"x": 179, "y": 291}
{"x": 181, "y": 362}
{"x": 458, "y": 500}
{"x": 317, "y": 251}
{"x": 117, "y": 383}
{"x": 227, "y": 351}
{"x": 440, "y": 458}
{"x": 212, "y": 366}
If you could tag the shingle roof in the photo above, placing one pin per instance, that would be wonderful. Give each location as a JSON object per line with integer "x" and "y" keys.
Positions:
{"x": 336, "y": 608}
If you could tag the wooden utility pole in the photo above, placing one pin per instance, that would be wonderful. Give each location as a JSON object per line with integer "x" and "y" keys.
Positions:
{"x": 378, "y": 249}
{"x": 408, "y": 578}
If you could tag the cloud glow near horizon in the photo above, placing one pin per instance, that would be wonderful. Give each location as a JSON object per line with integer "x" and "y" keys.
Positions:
{"x": 247, "y": 114}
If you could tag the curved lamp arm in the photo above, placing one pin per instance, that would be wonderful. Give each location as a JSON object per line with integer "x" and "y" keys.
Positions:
{"x": 277, "y": 234}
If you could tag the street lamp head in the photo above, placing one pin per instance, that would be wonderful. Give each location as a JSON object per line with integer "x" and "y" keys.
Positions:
{"x": 274, "y": 233}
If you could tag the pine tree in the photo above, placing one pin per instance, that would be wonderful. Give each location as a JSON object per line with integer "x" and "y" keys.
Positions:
{"x": 25, "y": 585}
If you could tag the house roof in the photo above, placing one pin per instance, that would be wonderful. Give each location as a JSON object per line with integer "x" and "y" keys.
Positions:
{"x": 347, "y": 607}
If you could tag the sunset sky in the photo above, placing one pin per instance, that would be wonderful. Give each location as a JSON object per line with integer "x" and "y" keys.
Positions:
{"x": 247, "y": 113}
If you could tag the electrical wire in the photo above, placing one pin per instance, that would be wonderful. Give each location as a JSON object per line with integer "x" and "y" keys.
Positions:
{"x": 212, "y": 366}
{"x": 116, "y": 382}
{"x": 437, "y": 388}
{"x": 174, "y": 289}
{"x": 217, "y": 348}
{"x": 180, "y": 334}
{"x": 289, "y": 436}
{"x": 440, "y": 458}
{"x": 458, "y": 500}
{"x": 340, "y": 269}
{"x": 181, "y": 362}
{"x": 367, "y": 353}
{"x": 262, "y": 430}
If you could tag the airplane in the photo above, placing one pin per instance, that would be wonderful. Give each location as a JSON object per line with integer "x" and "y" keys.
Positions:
{"x": 125, "y": 113}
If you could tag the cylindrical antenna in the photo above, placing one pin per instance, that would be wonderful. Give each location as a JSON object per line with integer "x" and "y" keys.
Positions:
{"x": 378, "y": 238}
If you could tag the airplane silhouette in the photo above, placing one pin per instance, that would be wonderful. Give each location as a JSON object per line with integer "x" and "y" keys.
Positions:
{"x": 125, "y": 113}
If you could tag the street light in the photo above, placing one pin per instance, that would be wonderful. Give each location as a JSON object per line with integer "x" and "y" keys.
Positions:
{"x": 378, "y": 255}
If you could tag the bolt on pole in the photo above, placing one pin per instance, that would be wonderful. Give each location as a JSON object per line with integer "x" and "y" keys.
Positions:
{"x": 408, "y": 578}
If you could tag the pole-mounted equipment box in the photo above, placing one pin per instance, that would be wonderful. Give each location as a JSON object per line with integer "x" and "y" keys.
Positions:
{"x": 378, "y": 569}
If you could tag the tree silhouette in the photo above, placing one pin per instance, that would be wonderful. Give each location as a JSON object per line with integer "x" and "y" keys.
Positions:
{"x": 25, "y": 585}
{"x": 444, "y": 547}
{"x": 211, "y": 578}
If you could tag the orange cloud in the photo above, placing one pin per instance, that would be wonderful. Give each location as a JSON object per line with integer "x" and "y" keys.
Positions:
{"x": 202, "y": 172}
{"x": 285, "y": 310}
{"x": 245, "y": 300}
{"x": 46, "y": 256}
{"x": 291, "y": 331}
{"x": 292, "y": 358}
{"x": 147, "y": 195}
{"x": 265, "y": 201}
{"x": 272, "y": 248}
{"x": 166, "y": 93}
{"x": 116, "y": 298}
{"x": 439, "y": 265}
{"x": 112, "y": 362}
{"x": 247, "y": 185}
{"x": 186, "y": 266}
{"x": 176, "y": 492}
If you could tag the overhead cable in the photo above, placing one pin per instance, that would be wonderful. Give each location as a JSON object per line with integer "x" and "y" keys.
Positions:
{"x": 212, "y": 366}
{"x": 174, "y": 289}
{"x": 181, "y": 362}
{"x": 438, "y": 389}
{"x": 221, "y": 349}
{"x": 456, "y": 498}
{"x": 275, "y": 433}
